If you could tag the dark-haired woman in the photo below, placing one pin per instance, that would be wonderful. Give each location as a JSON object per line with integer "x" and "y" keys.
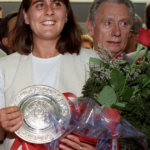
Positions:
{"x": 47, "y": 42}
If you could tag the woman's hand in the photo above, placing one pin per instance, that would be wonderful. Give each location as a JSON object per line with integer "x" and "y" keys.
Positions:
{"x": 72, "y": 142}
{"x": 10, "y": 118}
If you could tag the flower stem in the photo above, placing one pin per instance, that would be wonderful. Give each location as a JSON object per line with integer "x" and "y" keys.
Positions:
{"x": 140, "y": 47}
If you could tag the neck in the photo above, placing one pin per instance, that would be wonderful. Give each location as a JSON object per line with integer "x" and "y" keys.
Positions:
{"x": 45, "y": 48}
{"x": 130, "y": 50}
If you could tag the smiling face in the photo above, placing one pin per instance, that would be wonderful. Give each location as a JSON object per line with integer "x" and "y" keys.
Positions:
{"x": 46, "y": 18}
{"x": 112, "y": 27}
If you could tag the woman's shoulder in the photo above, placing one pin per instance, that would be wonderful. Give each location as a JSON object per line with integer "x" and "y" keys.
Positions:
{"x": 84, "y": 54}
{"x": 12, "y": 57}
{"x": 82, "y": 58}
{"x": 9, "y": 57}
{"x": 10, "y": 60}
{"x": 87, "y": 53}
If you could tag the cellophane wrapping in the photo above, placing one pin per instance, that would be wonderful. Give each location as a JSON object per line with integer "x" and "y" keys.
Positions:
{"x": 103, "y": 128}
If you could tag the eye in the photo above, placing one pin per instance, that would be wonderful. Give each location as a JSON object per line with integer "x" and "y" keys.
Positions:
{"x": 40, "y": 5}
{"x": 123, "y": 24}
{"x": 56, "y": 3}
{"x": 108, "y": 23}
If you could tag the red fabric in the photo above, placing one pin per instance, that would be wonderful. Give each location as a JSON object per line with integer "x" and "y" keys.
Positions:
{"x": 26, "y": 145}
{"x": 113, "y": 113}
{"x": 80, "y": 110}
{"x": 29, "y": 146}
{"x": 92, "y": 141}
{"x": 144, "y": 37}
{"x": 139, "y": 60}
{"x": 119, "y": 56}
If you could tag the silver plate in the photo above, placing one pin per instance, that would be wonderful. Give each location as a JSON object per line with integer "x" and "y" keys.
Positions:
{"x": 36, "y": 102}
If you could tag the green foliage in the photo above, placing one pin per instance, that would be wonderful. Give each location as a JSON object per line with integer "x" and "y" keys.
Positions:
{"x": 130, "y": 142}
{"x": 127, "y": 93}
{"x": 126, "y": 87}
{"x": 107, "y": 94}
{"x": 117, "y": 80}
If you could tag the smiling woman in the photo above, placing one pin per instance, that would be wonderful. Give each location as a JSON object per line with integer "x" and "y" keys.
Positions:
{"x": 48, "y": 20}
{"x": 47, "y": 42}
{"x": 49, "y": 26}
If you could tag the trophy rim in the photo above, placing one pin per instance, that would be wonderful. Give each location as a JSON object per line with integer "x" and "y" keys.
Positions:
{"x": 49, "y": 100}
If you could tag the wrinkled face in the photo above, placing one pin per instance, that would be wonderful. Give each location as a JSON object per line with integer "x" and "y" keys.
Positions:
{"x": 112, "y": 27}
{"x": 46, "y": 18}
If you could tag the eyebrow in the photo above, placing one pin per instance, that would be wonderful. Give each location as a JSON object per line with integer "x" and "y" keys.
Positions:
{"x": 111, "y": 19}
{"x": 43, "y": 1}
{"x": 107, "y": 19}
{"x": 37, "y": 1}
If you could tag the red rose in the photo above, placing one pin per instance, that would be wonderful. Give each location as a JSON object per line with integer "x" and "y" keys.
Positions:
{"x": 144, "y": 37}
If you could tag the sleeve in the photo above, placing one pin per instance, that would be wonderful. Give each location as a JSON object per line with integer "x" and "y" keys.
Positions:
{"x": 2, "y": 97}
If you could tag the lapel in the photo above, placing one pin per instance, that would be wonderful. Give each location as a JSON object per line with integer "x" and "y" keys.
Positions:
{"x": 127, "y": 58}
{"x": 21, "y": 78}
{"x": 25, "y": 70}
{"x": 64, "y": 74}
{"x": 72, "y": 74}
{"x": 133, "y": 54}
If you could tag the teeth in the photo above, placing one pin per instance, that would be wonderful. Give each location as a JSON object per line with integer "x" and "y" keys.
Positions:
{"x": 48, "y": 22}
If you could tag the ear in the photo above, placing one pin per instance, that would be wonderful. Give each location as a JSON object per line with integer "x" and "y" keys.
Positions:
{"x": 5, "y": 41}
{"x": 25, "y": 17}
{"x": 90, "y": 27}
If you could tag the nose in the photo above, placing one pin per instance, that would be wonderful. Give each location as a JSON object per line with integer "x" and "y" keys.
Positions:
{"x": 49, "y": 10}
{"x": 116, "y": 30}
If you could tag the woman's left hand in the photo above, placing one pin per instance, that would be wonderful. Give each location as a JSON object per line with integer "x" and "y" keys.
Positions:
{"x": 72, "y": 142}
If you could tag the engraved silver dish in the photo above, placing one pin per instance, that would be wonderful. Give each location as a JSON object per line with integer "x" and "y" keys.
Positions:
{"x": 46, "y": 112}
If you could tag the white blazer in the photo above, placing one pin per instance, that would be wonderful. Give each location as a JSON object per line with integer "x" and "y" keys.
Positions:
{"x": 17, "y": 72}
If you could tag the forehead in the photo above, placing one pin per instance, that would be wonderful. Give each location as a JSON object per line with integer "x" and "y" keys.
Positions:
{"x": 113, "y": 11}
{"x": 46, "y": 0}
{"x": 36, "y": 1}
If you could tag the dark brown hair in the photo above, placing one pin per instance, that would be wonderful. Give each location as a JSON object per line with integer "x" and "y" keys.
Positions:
{"x": 70, "y": 40}
{"x": 4, "y": 29}
{"x": 147, "y": 16}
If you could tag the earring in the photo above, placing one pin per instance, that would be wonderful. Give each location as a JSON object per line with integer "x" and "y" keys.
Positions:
{"x": 66, "y": 21}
